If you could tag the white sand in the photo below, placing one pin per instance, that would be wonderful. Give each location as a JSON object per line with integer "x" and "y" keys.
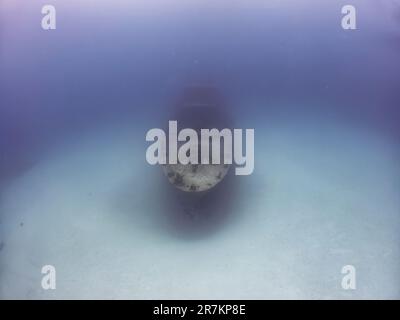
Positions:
{"x": 92, "y": 209}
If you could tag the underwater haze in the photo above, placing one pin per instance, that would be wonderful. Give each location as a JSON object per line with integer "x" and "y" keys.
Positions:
{"x": 77, "y": 193}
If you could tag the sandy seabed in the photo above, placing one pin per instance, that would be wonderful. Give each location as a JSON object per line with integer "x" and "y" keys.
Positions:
{"x": 92, "y": 207}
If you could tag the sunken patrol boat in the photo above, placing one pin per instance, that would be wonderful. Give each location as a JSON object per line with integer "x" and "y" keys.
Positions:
{"x": 200, "y": 196}
{"x": 199, "y": 108}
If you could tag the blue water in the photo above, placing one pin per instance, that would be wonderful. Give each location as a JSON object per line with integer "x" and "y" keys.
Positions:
{"x": 76, "y": 192}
